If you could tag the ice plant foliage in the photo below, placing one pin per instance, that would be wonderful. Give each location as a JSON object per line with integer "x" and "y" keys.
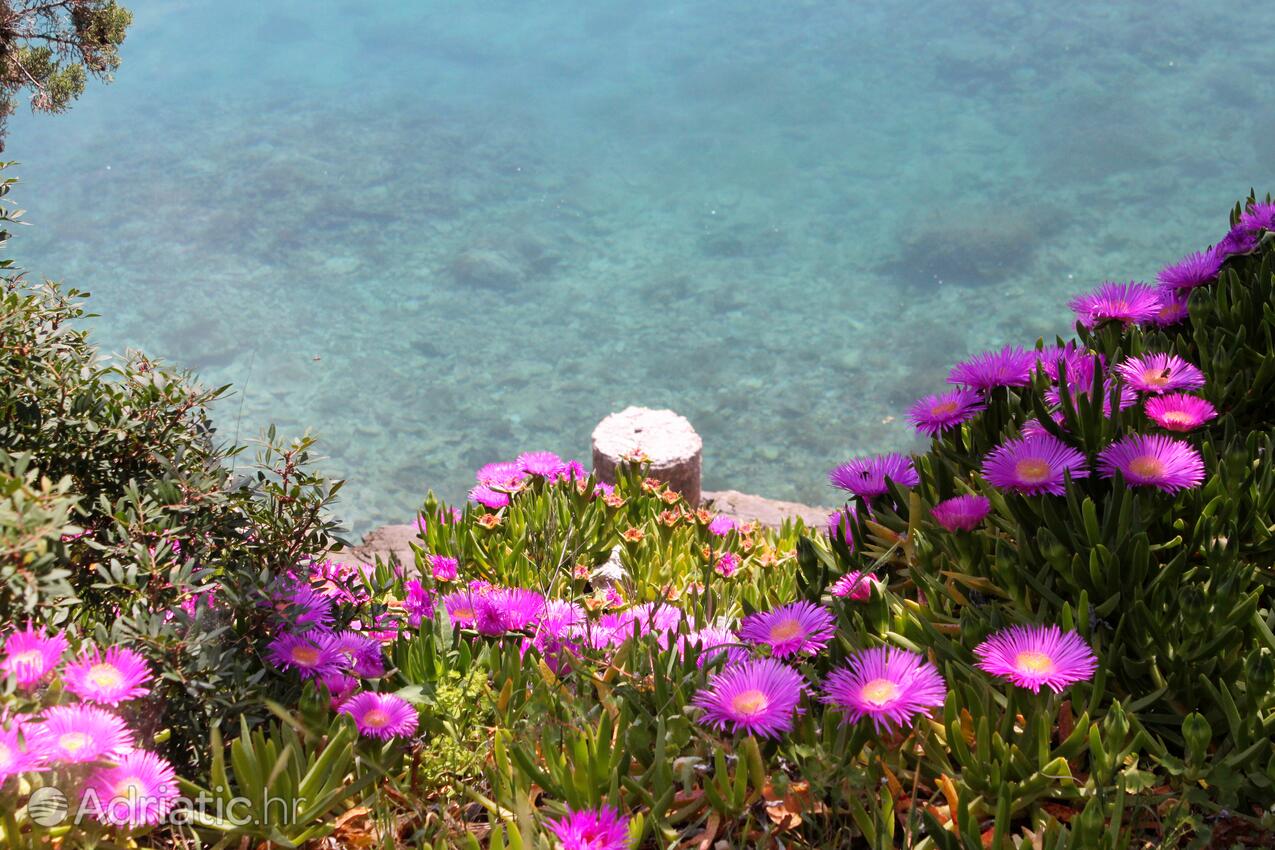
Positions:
{"x": 961, "y": 513}
{"x": 1034, "y": 465}
{"x": 756, "y": 697}
{"x": 889, "y": 686}
{"x": 591, "y": 829}
{"x": 1153, "y": 460}
{"x": 941, "y": 412}
{"x": 1032, "y": 656}
{"x": 109, "y": 678}
{"x": 1160, "y": 373}
{"x": 1179, "y": 411}
{"x": 866, "y": 476}
{"x": 800, "y": 627}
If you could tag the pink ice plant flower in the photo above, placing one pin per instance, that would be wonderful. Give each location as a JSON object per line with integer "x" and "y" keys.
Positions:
{"x": 1032, "y": 656}
{"x": 866, "y": 477}
{"x": 797, "y": 628}
{"x": 722, "y": 525}
{"x": 961, "y": 513}
{"x": 755, "y": 697}
{"x": 31, "y": 654}
{"x": 540, "y": 464}
{"x": 1160, "y": 373}
{"x": 1009, "y": 367}
{"x": 22, "y": 749}
{"x": 443, "y": 568}
{"x": 79, "y": 734}
{"x": 311, "y": 655}
{"x": 109, "y": 678}
{"x": 382, "y": 716}
{"x": 889, "y": 686}
{"x": 603, "y": 828}
{"x": 1132, "y": 303}
{"x": 934, "y": 414}
{"x": 1179, "y": 411}
{"x": 138, "y": 791}
{"x": 854, "y": 585}
{"x": 1034, "y": 465}
{"x": 1153, "y": 460}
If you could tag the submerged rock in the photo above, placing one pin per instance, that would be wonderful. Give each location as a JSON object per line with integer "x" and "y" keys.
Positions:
{"x": 484, "y": 268}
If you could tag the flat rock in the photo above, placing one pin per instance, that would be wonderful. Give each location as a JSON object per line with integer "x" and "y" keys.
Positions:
{"x": 769, "y": 512}
{"x": 386, "y": 541}
{"x": 485, "y": 269}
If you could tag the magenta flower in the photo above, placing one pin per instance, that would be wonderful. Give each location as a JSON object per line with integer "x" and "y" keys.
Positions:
{"x": 1009, "y": 367}
{"x": 1131, "y": 303}
{"x": 722, "y": 525}
{"x": 1179, "y": 411}
{"x": 462, "y": 607}
{"x": 756, "y": 697}
{"x": 31, "y": 654}
{"x": 540, "y": 464}
{"x": 381, "y": 716}
{"x": 488, "y": 497}
{"x": 941, "y": 412}
{"x": 1259, "y": 216}
{"x": 108, "y": 679}
{"x": 727, "y": 565}
{"x": 1153, "y": 460}
{"x": 961, "y": 513}
{"x": 138, "y": 791}
{"x": 1076, "y": 363}
{"x": 1127, "y": 397}
{"x": 311, "y": 654}
{"x": 303, "y": 606}
{"x": 341, "y": 686}
{"x": 443, "y": 568}
{"x": 1031, "y": 656}
{"x": 1034, "y": 465}
{"x": 887, "y": 685}
{"x": 853, "y": 585}
{"x": 22, "y": 749}
{"x": 419, "y": 603}
{"x": 1160, "y": 373}
{"x": 588, "y": 829}
{"x": 1240, "y": 239}
{"x": 361, "y": 653}
{"x": 1193, "y": 270}
{"x": 866, "y": 476}
{"x": 501, "y": 476}
{"x": 799, "y": 627}
{"x": 1173, "y": 307}
{"x": 507, "y": 609}
{"x": 78, "y": 734}
{"x": 713, "y": 642}
{"x": 841, "y": 524}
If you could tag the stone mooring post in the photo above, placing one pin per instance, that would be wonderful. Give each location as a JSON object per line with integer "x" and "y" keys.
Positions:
{"x": 676, "y": 452}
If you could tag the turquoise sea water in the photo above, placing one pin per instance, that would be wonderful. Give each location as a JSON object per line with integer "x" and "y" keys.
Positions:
{"x": 444, "y": 233}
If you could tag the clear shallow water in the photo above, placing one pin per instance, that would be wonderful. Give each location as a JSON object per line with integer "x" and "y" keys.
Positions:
{"x": 445, "y": 233}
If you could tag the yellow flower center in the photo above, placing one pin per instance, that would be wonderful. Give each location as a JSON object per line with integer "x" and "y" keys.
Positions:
{"x": 1147, "y": 466}
{"x": 1155, "y": 377}
{"x": 463, "y": 614}
{"x": 1033, "y": 470}
{"x": 943, "y": 408}
{"x": 105, "y": 676}
{"x": 6, "y": 756}
{"x": 130, "y": 788}
{"x": 73, "y": 742}
{"x": 306, "y": 656}
{"x": 1178, "y": 417}
{"x": 749, "y": 702}
{"x": 785, "y": 630}
{"x": 376, "y": 718}
{"x": 1032, "y": 661}
{"x": 879, "y": 692}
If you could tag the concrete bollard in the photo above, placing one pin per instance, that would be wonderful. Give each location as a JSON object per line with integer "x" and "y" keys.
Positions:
{"x": 668, "y": 440}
